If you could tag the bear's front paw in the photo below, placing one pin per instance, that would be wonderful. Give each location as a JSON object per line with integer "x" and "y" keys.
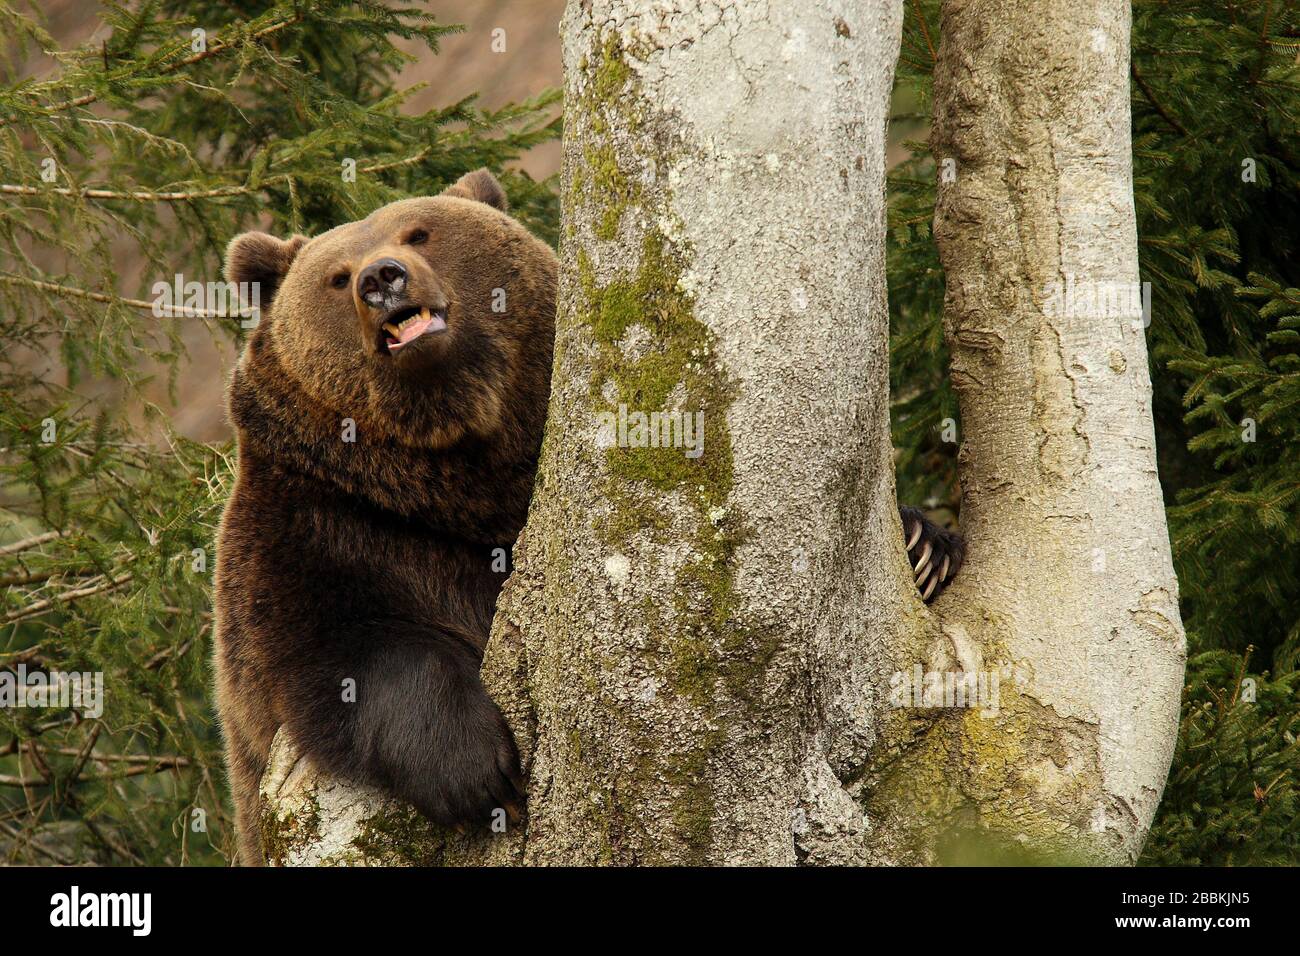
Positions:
{"x": 934, "y": 553}
{"x": 475, "y": 774}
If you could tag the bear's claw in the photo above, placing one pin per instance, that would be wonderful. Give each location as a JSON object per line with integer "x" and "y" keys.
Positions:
{"x": 934, "y": 553}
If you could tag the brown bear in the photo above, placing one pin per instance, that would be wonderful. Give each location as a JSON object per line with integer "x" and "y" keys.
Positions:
{"x": 389, "y": 409}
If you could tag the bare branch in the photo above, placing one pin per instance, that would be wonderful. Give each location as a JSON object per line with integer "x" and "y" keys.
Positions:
{"x": 40, "y": 607}
{"x": 32, "y": 542}
{"x": 75, "y": 293}
{"x": 136, "y": 196}
{"x": 215, "y": 50}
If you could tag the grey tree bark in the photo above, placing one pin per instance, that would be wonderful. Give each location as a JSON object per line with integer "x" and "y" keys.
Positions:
{"x": 1071, "y": 589}
{"x": 700, "y": 656}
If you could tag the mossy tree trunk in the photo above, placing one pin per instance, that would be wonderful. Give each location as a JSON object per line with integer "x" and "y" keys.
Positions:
{"x": 686, "y": 646}
{"x": 697, "y": 652}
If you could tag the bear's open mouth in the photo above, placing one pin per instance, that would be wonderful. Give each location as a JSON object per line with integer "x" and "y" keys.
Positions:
{"x": 404, "y": 326}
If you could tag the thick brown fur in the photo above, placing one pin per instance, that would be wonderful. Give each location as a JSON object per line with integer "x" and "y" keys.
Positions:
{"x": 372, "y": 562}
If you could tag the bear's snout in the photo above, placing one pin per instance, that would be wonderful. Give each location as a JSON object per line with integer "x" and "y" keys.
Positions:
{"x": 399, "y": 300}
{"x": 382, "y": 280}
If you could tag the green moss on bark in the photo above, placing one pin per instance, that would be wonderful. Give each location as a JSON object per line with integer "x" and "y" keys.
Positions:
{"x": 961, "y": 787}
{"x": 401, "y": 837}
{"x": 652, "y": 352}
{"x": 281, "y": 833}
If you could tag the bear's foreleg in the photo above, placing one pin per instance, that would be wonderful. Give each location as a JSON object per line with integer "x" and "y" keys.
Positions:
{"x": 415, "y": 721}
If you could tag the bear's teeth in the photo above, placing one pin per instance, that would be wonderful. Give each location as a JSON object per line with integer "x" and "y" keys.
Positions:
{"x": 422, "y": 314}
{"x": 397, "y": 331}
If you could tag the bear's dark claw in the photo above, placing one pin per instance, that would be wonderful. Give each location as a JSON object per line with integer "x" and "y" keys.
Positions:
{"x": 934, "y": 553}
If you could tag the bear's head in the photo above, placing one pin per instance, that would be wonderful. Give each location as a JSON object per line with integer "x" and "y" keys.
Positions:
{"x": 427, "y": 322}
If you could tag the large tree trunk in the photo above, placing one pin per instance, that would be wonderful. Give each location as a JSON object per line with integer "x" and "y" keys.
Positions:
{"x": 697, "y": 653}
{"x": 1070, "y": 584}
{"x": 690, "y": 640}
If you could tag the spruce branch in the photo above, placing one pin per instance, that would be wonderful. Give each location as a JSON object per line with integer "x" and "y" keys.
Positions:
{"x": 216, "y": 49}
{"x": 1155, "y": 103}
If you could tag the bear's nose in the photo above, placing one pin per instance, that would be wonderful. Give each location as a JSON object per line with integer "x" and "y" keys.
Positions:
{"x": 380, "y": 280}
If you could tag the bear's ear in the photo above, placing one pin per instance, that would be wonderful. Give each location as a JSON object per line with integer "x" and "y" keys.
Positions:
{"x": 263, "y": 259}
{"x": 480, "y": 186}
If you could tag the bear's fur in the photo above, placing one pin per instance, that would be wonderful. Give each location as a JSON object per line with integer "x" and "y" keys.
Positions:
{"x": 372, "y": 563}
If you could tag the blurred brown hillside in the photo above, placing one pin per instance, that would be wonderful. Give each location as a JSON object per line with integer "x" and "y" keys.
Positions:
{"x": 466, "y": 65}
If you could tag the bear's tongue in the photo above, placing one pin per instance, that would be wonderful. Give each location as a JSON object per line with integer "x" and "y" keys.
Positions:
{"x": 411, "y": 328}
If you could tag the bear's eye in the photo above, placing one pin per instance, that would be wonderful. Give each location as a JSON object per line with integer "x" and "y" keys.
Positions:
{"x": 341, "y": 280}
{"x": 419, "y": 237}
